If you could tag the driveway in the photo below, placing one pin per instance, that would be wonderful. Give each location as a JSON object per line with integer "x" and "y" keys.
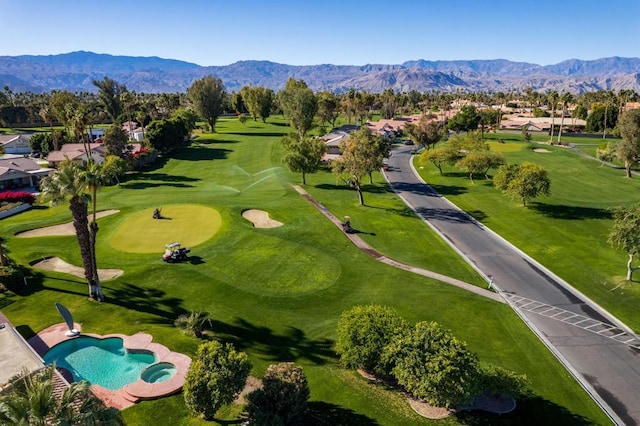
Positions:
{"x": 596, "y": 348}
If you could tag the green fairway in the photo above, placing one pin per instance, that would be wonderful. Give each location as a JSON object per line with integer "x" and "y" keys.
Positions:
{"x": 277, "y": 293}
{"x": 185, "y": 223}
{"x": 567, "y": 230}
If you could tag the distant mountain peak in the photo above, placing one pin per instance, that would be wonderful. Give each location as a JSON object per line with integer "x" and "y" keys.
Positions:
{"x": 74, "y": 71}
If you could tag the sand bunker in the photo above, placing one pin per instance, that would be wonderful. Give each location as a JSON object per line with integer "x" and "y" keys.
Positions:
{"x": 58, "y": 265}
{"x": 260, "y": 219}
{"x": 541, "y": 150}
{"x": 58, "y": 230}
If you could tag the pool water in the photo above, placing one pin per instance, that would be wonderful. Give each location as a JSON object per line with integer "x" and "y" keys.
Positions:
{"x": 102, "y": 362}
{"x": 158, "y": 373}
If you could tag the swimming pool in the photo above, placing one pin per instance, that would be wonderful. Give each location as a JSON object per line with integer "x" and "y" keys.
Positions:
{"x": 103, "y": 362}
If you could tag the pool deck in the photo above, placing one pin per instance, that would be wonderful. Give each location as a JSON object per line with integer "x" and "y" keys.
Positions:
{"x": 15, "y": 355}
{"x": 134, "y": 392}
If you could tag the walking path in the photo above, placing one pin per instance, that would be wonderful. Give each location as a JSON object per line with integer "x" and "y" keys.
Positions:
{"x": 358, "y": 242}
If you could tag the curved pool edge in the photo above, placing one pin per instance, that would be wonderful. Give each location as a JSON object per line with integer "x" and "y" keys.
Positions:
{"x": 133, "y": 392}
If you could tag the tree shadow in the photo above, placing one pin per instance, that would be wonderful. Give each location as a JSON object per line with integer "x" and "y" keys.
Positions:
{"x": 570, "y": 212}
{"x": 260, "y": 134}
{"x": 150, "y": 180}
{"x": 198, "y": 153}
{"x": 320, "y": 413}
{"x": 446, "y": 215}
{"x": 531, "y": 410}
{"x": 290, "y": 346}
{"x": 149, "y": 300}
{"x": 215, "y": 141}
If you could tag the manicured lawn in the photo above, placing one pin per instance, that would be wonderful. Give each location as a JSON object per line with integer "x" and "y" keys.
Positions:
{"x": 566, "y": 231}
{"x": 278, "y": 293}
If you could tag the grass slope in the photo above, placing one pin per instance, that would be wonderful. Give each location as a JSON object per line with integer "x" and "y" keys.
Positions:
{"x": 278, "y": 293}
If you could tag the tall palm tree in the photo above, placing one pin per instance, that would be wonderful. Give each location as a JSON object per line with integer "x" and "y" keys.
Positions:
{"x": 565, "y": 99}
{"x": 31, "y": 400}
{"x": 69, "y": 183}
{"x": 49, "y": 117}
{"x": 552, "y": 99}
{"x": 94, "y": 176}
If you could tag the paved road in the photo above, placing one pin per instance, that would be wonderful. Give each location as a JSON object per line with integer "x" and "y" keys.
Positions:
{"x": 607, "y": 367}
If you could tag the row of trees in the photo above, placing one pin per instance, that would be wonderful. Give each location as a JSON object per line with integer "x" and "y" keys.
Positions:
{"x": 429, "y": 362}
{"x": 113, "y": 101}
{"x": 218, "y": 373}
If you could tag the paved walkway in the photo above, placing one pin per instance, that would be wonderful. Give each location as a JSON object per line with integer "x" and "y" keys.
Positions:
{"x": 607, "y": 368}
{"x": 358, "y": 242}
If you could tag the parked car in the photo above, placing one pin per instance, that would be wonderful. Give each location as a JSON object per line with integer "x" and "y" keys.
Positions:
{"x": 408, "y": 142}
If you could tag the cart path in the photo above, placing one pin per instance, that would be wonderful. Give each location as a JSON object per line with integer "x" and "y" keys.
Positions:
{"x": 358, "y": 242}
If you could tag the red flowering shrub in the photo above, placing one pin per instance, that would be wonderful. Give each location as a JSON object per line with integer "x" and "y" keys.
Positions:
{"x": 17, "y": 197}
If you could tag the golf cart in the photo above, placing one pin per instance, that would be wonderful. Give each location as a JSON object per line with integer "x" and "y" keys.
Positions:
{"x": 174, "y": 253}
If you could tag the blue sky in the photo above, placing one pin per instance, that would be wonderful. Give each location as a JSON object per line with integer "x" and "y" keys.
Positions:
{"x": 308, "y": 32}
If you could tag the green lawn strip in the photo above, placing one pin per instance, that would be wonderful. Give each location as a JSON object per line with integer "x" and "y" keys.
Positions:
{"x": 237, "y": 277}
{"x": 389, "y": 226}
{"x": 566, "y": 231}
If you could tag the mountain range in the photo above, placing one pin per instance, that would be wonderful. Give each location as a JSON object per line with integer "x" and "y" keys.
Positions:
{"x": 75, "y": 71}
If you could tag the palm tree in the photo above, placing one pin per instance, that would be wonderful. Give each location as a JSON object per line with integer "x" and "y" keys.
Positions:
{"x": 48, "y": 116}
{"x": 552, "y": 98}
{"x": 94, "y": 176}
{"x": 565, "y": 99}
{"x": 31, "y": 400}
{"x": 69, "y": 183}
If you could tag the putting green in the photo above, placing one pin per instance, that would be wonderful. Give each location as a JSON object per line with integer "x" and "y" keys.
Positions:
{"x": 187, "y": 224}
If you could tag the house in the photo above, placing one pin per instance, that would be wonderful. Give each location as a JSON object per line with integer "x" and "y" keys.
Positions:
{"x": 17, "y": 171}
{"x": 76, "y": 152}
{"x": 390, "y": 128}
{"x": 332, "y": 141}
{"x": 138, "y": 135}
{"x": 95, "y": 134}
{"x": 16, "y": 144}
{"x": 130, "y": 127}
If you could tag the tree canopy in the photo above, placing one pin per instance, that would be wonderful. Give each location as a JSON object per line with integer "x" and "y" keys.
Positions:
{"x": 109, "y": 94}
{"x": 625, "y": 234}
{"x": 303, "y": 154}
{"x": 523, "y": 181}
{"x": 207, "y": 97}
{"x": 427, "y": 132}
{"x": 628, "y": 150}
{"x": 361, "y": 155}
{"x": 299, "y": 105}
{"x": 282, "y": 397}
{"x": 467, "y": 119}
{"x": 217, "y": 375}
{"x": 363, "y": 334}
{"x": 258, "y": 100}
{"x": 434, "y": 365}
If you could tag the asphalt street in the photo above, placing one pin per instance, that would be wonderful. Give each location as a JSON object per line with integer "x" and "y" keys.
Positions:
{"x": 608, "y": 368}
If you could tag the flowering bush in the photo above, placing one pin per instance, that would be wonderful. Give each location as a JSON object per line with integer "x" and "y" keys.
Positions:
{"x": 17, "y": 197}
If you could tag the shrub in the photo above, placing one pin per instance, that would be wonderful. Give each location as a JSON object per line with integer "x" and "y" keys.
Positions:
{"x": 217, "y": 375}
{"x": 499, "y": 381}
{"x": 282, "y": 398}
{"x": 192, "y": 323}
{"x": 363, "y": 334}
{"x": 433, "y": 365}
{"x": 17, "y": 197}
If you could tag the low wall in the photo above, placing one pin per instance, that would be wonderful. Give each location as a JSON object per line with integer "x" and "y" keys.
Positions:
{"x": 15, "y": 210}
